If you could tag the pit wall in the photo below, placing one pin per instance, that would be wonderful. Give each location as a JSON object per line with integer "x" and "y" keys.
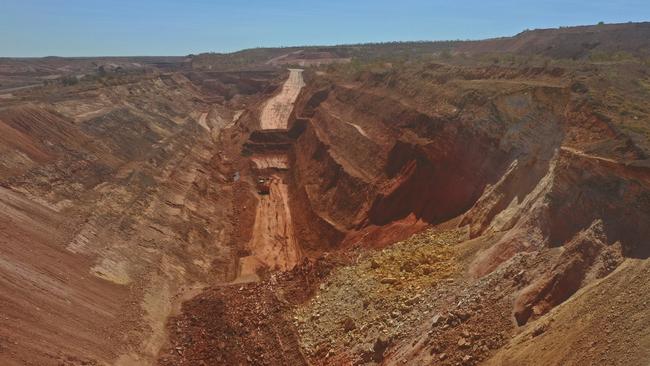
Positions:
{"x": 124, "y": 186}
{"x": 499, "y": 163}
{"x": 369, "y": 160}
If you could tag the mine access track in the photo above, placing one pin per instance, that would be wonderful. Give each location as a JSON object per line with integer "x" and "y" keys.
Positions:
{"x": 273, "y": 244}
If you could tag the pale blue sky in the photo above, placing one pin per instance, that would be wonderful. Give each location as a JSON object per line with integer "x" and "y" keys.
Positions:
{"x": 166, "y": 27}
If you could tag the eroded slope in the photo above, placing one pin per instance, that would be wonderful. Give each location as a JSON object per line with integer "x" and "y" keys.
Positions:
{"x": 116, "y": 208}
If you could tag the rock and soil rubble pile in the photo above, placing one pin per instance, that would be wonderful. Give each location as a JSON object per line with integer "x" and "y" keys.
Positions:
{"x": 384, "y": 294}
{"x": 245, "y": 324}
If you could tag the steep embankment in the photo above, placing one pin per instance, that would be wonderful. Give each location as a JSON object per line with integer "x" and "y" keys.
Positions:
{"x": 509, "y": 161}
{"x": 115, "y": 207}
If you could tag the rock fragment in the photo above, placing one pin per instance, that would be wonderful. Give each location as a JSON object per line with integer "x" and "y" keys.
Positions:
{"x": 464, "y": 343}
{"x": 437, "y": 320}
{"x": 348, "y": 324}
{"x": 380, "y": 346}
{"x": 389, "y": 280}
{"x": 467, "y": 360}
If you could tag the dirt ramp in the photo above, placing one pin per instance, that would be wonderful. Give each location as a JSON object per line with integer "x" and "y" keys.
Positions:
{"x": 273, "y": 245}
{"x": 276, "y": 111}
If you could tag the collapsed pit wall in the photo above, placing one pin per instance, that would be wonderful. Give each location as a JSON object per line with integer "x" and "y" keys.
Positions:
{"x": 499, "y": 164}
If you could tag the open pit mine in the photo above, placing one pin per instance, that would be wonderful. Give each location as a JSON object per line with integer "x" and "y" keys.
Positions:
{"x": 457, "y": 203}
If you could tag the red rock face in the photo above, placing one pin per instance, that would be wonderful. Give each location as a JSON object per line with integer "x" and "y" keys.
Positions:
{"x": 517, "y": 178}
